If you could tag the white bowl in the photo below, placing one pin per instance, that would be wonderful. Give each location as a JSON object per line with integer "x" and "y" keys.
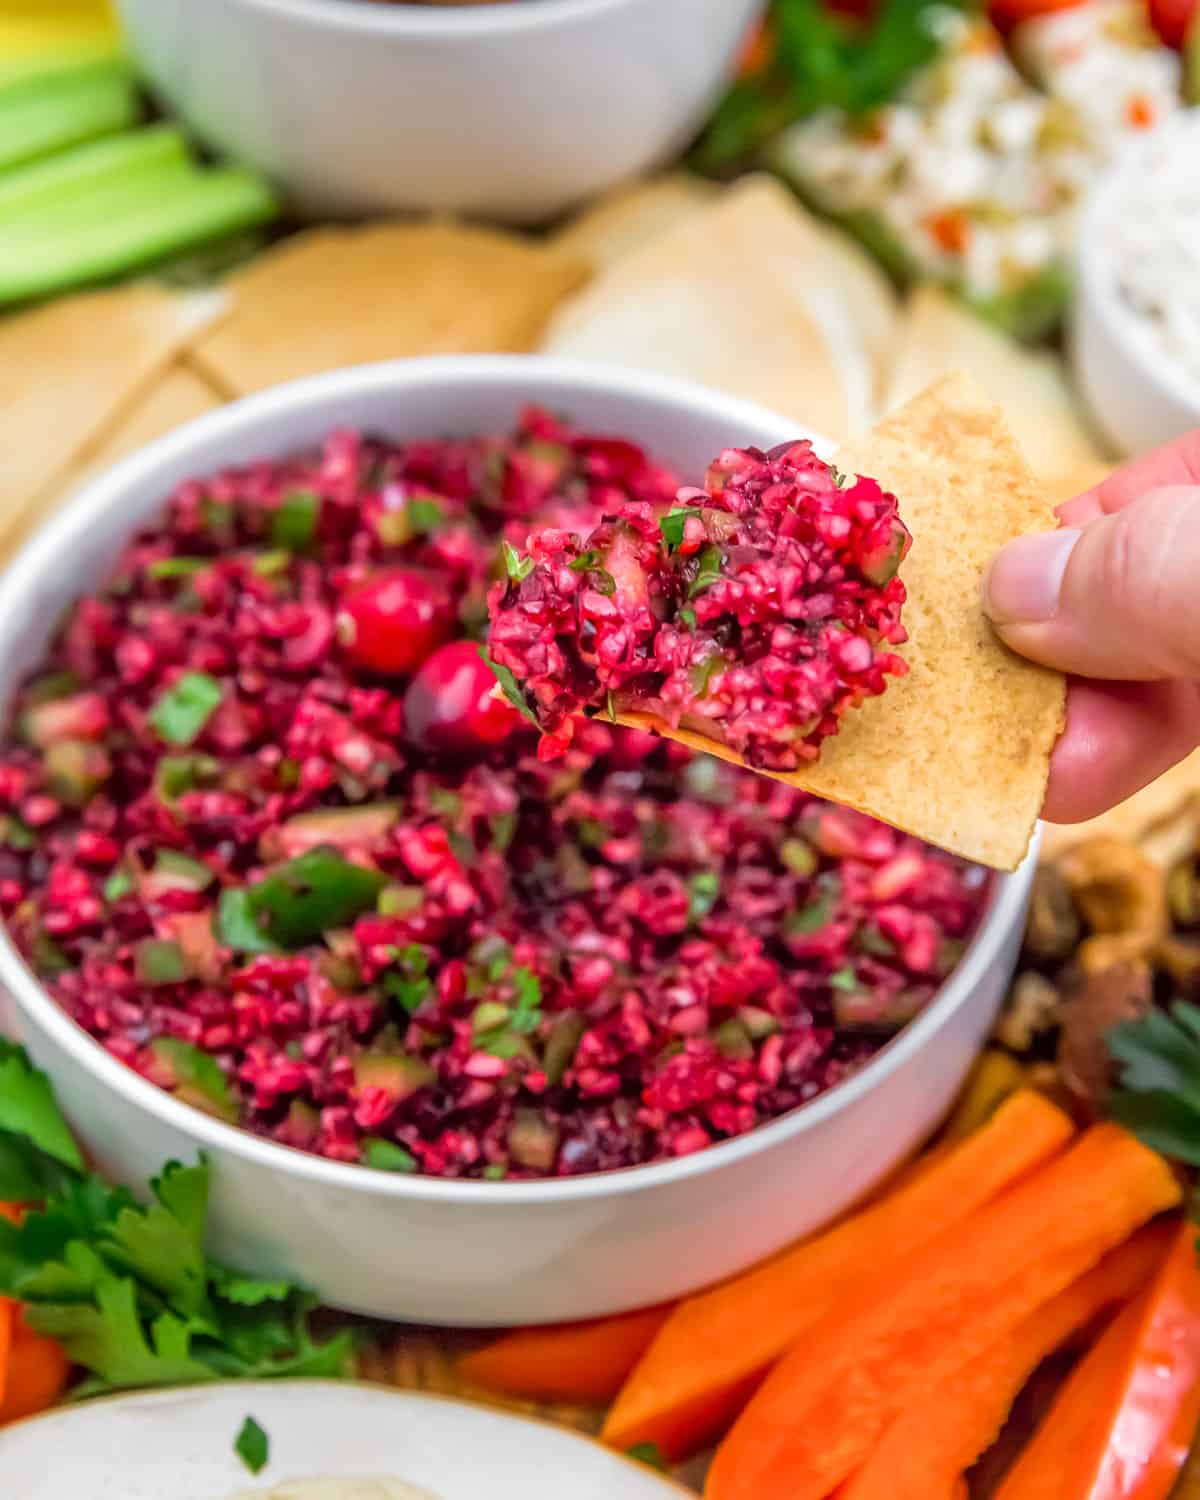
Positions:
{"x": 1139, "y": 398}
{"x": 180, "y": 1443}
{"x": 513, "y": 111}
{"x": 477, "y": 1252}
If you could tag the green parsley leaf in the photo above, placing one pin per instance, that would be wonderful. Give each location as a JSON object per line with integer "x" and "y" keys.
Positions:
{"x": 409, "y": 983}
{"x": 509, "y": 687}
{"x": 687, "y": 616}
{"x": 294, "y": 524}
{"x": 268, "y": 564}
{"x": 252, "y": 1446}
{"x": 584, "y": 561}
{"x": 843, "y": 979}
{"x": 817, "y": 913}
{"x": 603, "y": 582}
{"x": 118, "y": 884}
{"x": 1159, "y": 1094}
{"x": 517, "y": 567}
{"x": 703, "y": 889}
{"x": 671, "y": 525}
{"x": 649, "y": 1454}
{"x": 196, "y": 1076}
{"x": 709, "y": 570}
{"x": 386, "y": 1156}
{"x": 424, "y": 514}
{"x": 527, "y": 1012}
{"x": 183, "y": 710}
{"x": 28, "y": 1109}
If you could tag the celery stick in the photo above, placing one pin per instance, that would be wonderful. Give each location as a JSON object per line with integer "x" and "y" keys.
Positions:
{"x": 68, "y": 175}
{"x": 53, "y": 110}
{"x": 129, "y": 230}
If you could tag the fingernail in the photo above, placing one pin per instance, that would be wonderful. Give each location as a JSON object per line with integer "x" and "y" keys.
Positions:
{"x": 1023, "y": 583}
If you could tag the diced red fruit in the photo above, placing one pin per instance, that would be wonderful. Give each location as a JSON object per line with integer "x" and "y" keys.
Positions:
{"x": 451, "y": 703}
{"x": 394, "y": 620}
{"x": 1173, "y": 19}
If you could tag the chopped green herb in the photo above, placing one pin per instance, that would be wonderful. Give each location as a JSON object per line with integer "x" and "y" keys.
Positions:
{"x": 176, "y": 774}
{"x": 671, "y": 525}
{"x": 269, "y": 564}
{"x": 160, "y": 961}
{"x": 14, "y": 834}
{"x": 502, "y": 826}
{"x": 603, "y": 582}
{"x": 494, "y": 1172}
{"x": 424, "y": 513}
{"x": 817, "y": 913}
{"x": 409, "y": 983}
{"x": 584, "y": 561}
{"x": 709, "y": 570}
{"x": 195, "y": 1076}
{"x": 177, "y": 567}
{"x": 687, "y": 616}
{"x": 844, "y": 979}
{"x": 798, "y": 856}
{"x": 703, "y": 889}
{"x": 252, "y": 1446}
{"x": 386, "y": 1156}
{"x": 126, "y": 1287}
{"x": 527, "y": 1012}
{"x": 294, "y": 524}
{"x": 508, "y": 686}
{"x": 649, "y": 1454}
{"x": 118, "y": 884}
{"x": 703, "y": 672}
{"x": 504, "y": 1044}
{"x": 517, "y": 567}
{"x": 183, "y": 710}
{"x": 1159, "y": 1094}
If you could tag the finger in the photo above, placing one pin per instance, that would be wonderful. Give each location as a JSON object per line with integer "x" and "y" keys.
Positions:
{"x": 1119, "y": 737}
{"x": 1117, "y": 599}
{"x": 1177, "y": 463}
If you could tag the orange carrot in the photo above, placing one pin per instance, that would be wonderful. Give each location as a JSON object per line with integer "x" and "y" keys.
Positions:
{"x": 906, "y": 1331}
{"x": 583, "y": 1362}
{"x": 7, "y": 1314}
{"x": 715, "y": 1347}
{"x": 37, "y": 1373}
{"x": 933, "y": 1441}
{"x": 1123, "y": 1423}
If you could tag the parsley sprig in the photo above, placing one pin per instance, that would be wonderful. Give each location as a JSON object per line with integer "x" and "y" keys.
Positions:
{"x": 124, "y": 1286}
{"x": 1159, "y": 1094}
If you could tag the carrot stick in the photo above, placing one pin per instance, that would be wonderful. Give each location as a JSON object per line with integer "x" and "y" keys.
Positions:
{"x": 994, "y": 1077}
{"x": 899, "y": 1335}
{"x": 715, "y": 1347}
{"x": 37, "y": 1374}
{"x": 933, "y": 1441}
{"x": 1123, "y": 1423}
{"x": 7, "y": 1313}
{"x": 583, "y": 1362}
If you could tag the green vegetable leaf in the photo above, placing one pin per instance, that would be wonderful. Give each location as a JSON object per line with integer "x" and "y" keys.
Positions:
{"x": 527, "y": 1010}
{"x": 160, "y": 1244}
{"x": 409, "y": 983}
{"x": 252, "y": 1446}
{"x": 709, "y": 570}
{"x": 703, "y": 889}
{"x": 1159, "y": 1094}
{"x": 517, "y": 567}
{"x": 294, "y": 524}
{"x": 671, "y": 525}
{"x": 509, "y": 687}
{"x": 183, "y": 710}
{"x": 28, "y": 1108}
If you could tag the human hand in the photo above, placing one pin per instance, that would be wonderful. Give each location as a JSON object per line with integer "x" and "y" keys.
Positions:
{"x": 1113, "y": 599}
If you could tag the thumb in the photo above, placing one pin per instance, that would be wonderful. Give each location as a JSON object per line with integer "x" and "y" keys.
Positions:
{"x": 1117, "y": 599}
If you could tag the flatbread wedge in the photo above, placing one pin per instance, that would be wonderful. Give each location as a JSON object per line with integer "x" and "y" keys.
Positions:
{"x": 957, "y": 752}
{"x": 335, "y": 297}
{"x": 630, "y": 217}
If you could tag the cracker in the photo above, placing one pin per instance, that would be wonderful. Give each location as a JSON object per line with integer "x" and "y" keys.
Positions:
{"x": 938, "y": 336}
{"x": 707, "y": 300}
{"x": 70, "y": 370}
{"x": 628, "y": 218}
{"x": 958, "y": 751}
{"x": 335, "y": 297}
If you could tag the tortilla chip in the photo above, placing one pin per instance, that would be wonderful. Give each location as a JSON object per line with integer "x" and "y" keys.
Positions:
{"x": 703, "y": 301}
{"x": 938, "y": 336}
{"x": 630, "y": 217}
{"x": 958, "y": 751}
{"x": 71, "y": 369}
{"x": 1140, "y": 818}
{"x": 337, "y": 297}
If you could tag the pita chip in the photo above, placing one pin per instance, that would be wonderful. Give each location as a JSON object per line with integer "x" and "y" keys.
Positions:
{"x": 702, "y": 301}
{"x": 72, "y": 369}
{"x": 937, "y": 336}
{"x": 627, "y": 219}
{"x": 958, "y": 751}
{"x": 335, "y": 297}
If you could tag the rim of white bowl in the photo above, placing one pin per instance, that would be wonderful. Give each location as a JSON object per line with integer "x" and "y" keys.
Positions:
{"x": 430, "y": 22}
{"x": 515, "y": 371}
{"x": 1101, "y": 297}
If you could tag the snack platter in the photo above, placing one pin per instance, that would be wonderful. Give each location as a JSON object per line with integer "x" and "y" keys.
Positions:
{"x": 308, "y": 876}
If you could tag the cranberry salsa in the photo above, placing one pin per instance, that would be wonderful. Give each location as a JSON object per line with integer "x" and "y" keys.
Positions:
{"x": 270, "y": 838}
{"x": 756, "y": 611}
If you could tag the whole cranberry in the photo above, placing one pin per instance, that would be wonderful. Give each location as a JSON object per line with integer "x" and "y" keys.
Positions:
{"x": 391, "y": 623}
{"x": 449, "y": 703}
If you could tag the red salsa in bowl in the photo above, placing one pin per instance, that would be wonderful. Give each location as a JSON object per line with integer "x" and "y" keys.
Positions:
{"x": 270, "y": 839}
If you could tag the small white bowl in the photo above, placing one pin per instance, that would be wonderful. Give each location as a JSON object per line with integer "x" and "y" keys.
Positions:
{"x": 476, "y": 1253}
{"x": 179, "y": 1443}
{"x": 1139, "y": 397}
{"x": 513, "y": 111}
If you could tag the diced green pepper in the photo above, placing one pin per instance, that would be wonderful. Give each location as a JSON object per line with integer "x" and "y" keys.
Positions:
{"x": 294, "y": 524}
{"x": 182, "y": 711}
{"x": 298, "y": 901}
{"x": 386, "y": 1156}
{"x": 159, "y": 961}
{"x": 195, "y": 1076}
